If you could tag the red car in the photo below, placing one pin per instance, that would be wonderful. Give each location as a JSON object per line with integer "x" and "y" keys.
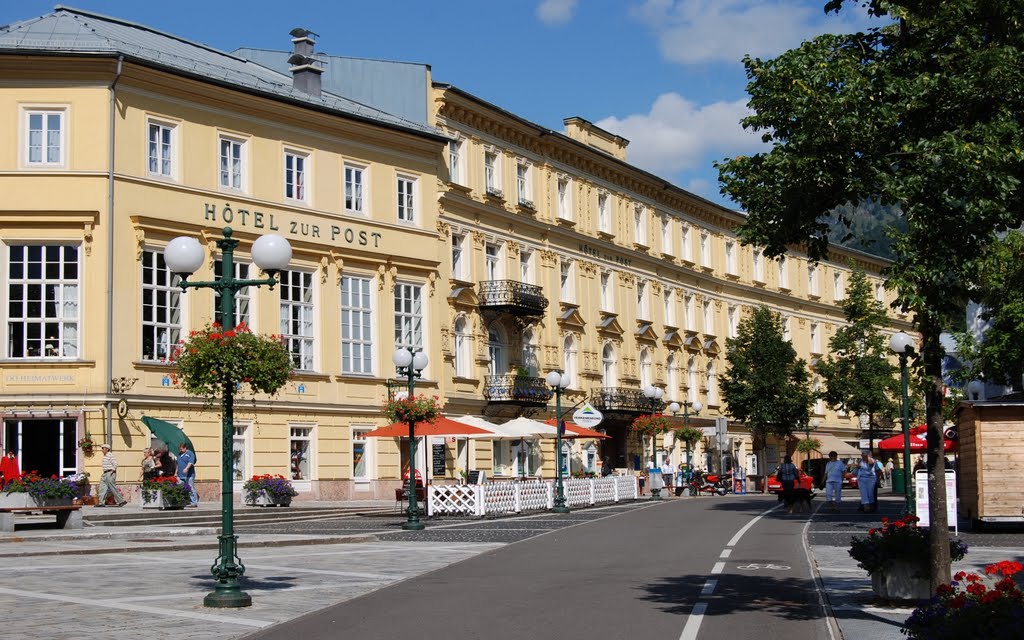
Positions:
{"x": 806, "y": 482}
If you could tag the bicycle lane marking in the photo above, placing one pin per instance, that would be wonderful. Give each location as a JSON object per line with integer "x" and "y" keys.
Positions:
{"x": 696, "y": 617}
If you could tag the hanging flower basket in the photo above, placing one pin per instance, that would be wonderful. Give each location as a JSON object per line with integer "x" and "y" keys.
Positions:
{"x": 86, "y": 444}
{"x": 651, "y": 425}
{"x": 415, "y": 409}
{"x": 212, "y": 357}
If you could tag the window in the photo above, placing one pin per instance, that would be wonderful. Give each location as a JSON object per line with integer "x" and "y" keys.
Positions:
{"x": 643, "y": 300}
{"x": 524, "y": 187}
{"x": 815, "y": 338}
{"x": 880, "y": 292}
{"x": 459, "y": 261}
{"x": 687, "y": 246}
{"x": 690, "y": 311}
{"x": 232, "y": 163}
{"x": 564, "y": 199}
{"x": 43, "y": 301}
{"x": 783, "y": 273}
{"x": 297, "y": 317}
{"x": 567, "y": 281}
{"x": 607, "y": 292}
{"x": 301, "y": 452}
{"x": 691, "y": 380}
{"x": 758, "y": 260}
{"x": 609, "y": 366}
{"x": 161, "y": 149}
{"x": 570, "y": 354}
{"x": 356, "y": 325}
{"x": 44, "y": 142}
{"x": 496, "y": 350}
{"x": 492, "y": 173}
{"x": 672, "y": 366}
{"x": 531, "y": 352}
{"x": 406, "y": 189}
{"x": 711, "y": 383}
{"x": 670, "y": 307}
{"x": 734, "y": 320}
{"x": 640, "y": 224}
{"x": 812, "y": 279}
{"x": 786, "y": 335}
{"x": 408, "y": 316}
{"x": 360, "y": 454}
{"x": 666, "y": 235}
{"x": 709, "y": 318}
{"x": 645, "y": 368}
{"x": 501, "y": 457}
{"x": 526, "y": 266}
{"x": 705, "y": 250}
{"x": 493, "y": 268}
{"x": 604, "y": 221}
{"x": 295, "y": 175}
{"x": 455, "y": 162}
{"x": 161, "y": 307}
{"x": 240, "y": 453}
{"x": 819, "y": 403}
{"x": 354, "y": 182}
{"x": 463, "y": 348}
{"x": 730, "y": 257}
{"x": 838, "y": 286}
{"x": 243, "y": 298}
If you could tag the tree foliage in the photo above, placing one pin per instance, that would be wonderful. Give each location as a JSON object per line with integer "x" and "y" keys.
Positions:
{"x": 766, "y": 386}
{"x": 923, "y": 112}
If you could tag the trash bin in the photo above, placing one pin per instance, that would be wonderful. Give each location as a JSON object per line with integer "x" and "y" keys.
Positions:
{"x": 899, "y": 486}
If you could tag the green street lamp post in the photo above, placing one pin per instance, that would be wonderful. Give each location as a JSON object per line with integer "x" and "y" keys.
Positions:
{"x": 656, "y": 394}
{"x": 558, "y": 381}
{"x": 686, "y": 405}
{"x": 183, "y": 256}
{"x": 903, "y": 345}
{"x": 410, "y": 365}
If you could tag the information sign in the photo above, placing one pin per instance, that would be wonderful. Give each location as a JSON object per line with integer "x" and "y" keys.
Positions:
{"x": 587, "y": 416}
{"x": 921, "y": 503}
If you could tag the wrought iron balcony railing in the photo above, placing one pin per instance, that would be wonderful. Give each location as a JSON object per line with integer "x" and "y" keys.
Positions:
{"x": 623, "y": 400}
{"x": 511, "y": 296}
{"x": 516, "y": 389}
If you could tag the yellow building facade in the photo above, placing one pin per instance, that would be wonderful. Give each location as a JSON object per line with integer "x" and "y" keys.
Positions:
{"x": 501, "y": 249}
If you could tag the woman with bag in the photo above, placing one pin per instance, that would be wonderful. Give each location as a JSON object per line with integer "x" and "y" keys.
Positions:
{"x": 787, "y": 475}
{"x": 867, "y": 479}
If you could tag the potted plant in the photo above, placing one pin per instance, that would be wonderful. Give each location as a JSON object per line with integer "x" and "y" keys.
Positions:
{"x": 212, "y": 356}
{"x": 268, "y": 490}
{"x": 412, "y": 409}
{"x": 895, "y": 555}
{"x": 32, "y": 490}
{"x": 164, "y": 492}
{"x": 86, "y": 444}
{"x": 80, "y": 483}
{"x": 972, "y": 606}
{"x": 651, "y": 425}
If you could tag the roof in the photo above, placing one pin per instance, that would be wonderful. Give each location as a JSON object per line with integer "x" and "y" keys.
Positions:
{"x": 74, "y": 32}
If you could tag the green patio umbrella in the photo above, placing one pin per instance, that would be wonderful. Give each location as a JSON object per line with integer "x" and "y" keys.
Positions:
{"x": 169, "y": 433}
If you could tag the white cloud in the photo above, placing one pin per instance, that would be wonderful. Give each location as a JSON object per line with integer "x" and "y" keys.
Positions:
{"x": 678, "y": 135}
{"x": 552, "y": 12}
{"x": 701, "y": 31}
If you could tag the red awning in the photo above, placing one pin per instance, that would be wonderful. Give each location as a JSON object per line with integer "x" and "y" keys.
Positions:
{"x": 439, "y": 427}
{"x": 573, "y": 430}
{"x": 918, "y": 441}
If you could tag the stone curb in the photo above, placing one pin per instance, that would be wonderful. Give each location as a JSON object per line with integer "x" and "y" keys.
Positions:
{"x": 183, "y": 546}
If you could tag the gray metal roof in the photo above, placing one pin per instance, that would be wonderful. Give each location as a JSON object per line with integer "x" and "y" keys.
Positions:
{"x": 69, "y": 31}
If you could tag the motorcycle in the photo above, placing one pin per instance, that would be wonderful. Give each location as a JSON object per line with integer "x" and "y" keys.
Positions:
{"x": 710, "y": 483}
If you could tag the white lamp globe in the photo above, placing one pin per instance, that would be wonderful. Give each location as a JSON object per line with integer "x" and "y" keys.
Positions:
{"x": 901, "y": 342}
{"x": 674, "y": 407}
{"x": 648, "y": 391}
{"x": 402, "y": 358}
{"x": 553, "y": 379}
{"x": 696, "y": 406}
{"x": 564, "y": 382}
{"x": 419, "y": 361}
{"x": 659, "y": 393}
{"x": 183, "y": 255}
{"x": 271, "y": 253}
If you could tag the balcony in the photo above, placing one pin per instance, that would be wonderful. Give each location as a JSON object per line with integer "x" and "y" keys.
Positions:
{"x": 621, "y": 400}
{"x": 512, "y": 297}
{"x": 511, "y": 388}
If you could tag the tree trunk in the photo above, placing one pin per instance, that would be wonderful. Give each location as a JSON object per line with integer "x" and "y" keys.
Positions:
{"x": 940, "y": 569}
{"x": 764, "y": 467}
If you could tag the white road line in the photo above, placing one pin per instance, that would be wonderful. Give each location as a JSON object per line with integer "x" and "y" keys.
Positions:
{"x": 746, "y": 527}
{"x": 693, "y": 622}
{"x": 709, "y": 587}
{"x": 113, "y": 603}
{"x": 818, "y": 584}
{"x": 726, "y": 553}
{"x": 719, "y": 566}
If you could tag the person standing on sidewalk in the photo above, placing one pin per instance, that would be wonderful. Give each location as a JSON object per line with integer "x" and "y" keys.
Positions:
{"x": 867, "y": 481}
{"x": 667, "y": 473}
{"x": 834, "y": 472}
{"x": 187, "y": 472}
{"x": 108, "y": 480}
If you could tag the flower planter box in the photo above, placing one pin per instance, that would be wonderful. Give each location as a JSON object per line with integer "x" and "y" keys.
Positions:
{"x": 26, "y": 500}
{"x": 156, "y": 500}
{"x": 262, "y": 500}
{"x": 900, "y": 582}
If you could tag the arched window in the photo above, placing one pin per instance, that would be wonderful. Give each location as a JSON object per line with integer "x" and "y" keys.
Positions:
{"x": 691, "y": 380}
{"x": 673, "y": 377}
{"x": 463, "y": 348}
{"x": 530, "y": 358}
{"x": 496, "y": 349}
{"x": 569, "y": 359}
{"x": 712, "y": 383}
{"x": 645, "y": 368}
{"x": 609, "y": 366}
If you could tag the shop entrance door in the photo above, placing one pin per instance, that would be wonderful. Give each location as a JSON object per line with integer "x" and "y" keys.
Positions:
{"x": 46, "y": 446}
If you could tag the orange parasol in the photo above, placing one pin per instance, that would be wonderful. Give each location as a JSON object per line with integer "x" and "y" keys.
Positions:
{"x": 441, "y": 426}
{"x": 573, "y": 430}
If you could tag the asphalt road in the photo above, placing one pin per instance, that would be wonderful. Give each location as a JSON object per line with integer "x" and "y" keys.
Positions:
{"x": 676, "y": 569}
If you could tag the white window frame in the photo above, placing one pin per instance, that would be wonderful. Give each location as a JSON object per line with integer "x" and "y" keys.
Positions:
{"x": 406, "y": 198}
{"x": 357, "y": 313}
{"x": 455, "y": 168}
{"x": 711, "y": 383}
{"x": 410, "y": 316}
{"x": 497, "y": 351}
{"x": 354, "y": 182}
{"x": 570, "y": 360}
{"x": 734, "y": 320}
{"x": 567, "y": 280}
{"x": 166, "y": 156}
{"x": 666, "y": 235}
{"x": 242, "y": 441}
{"x": 531, "y": 352}
{"x": 298, "y": 317}
{"x": 494, "y": 261}
{"x": 463, "y": 347}
{"x": 524, "y": 183}
{"x": 604, "y": 223}
{"x": 608, "y": 291}
{"x": 705, "y": 249}
{"x": 527, "y": 273}
{"x": 45, "y": 135}
{"x": 670, "y": 306}
{"x": 609, "y": 366}
{"x": 709, "y": 317}
{"x": 815, "y": 330}
{"x": 812, "y": 279}
{"x": 296, "y": 173}
{"x": 672, "y": 381}
{"x": 640, "y": 225}
{"x": 787, "y": 333}
{"x": 880, "y": 292}
{"x": 165, "y": 333}
{"x": 302, "y": 432}
{"x": 838, "y": 285}
{"x": 643, "y": 299}
{"x": 492, "y": 172}
{"x": 687, "y": 243}
{"x": 243, "y": 297}
{"x": 232, "y": 163}
{"x": 460, "y": 257}
{"x": 646, "y": 368}
{"x": 758, "y": 260}
{"x": 690, "y": 311}
{"x": 563, "y": 186}
{"x": 65, "y": 302}
{"x": 358, "y": 437}
{"x": 783, "y": 272}
{"x": 691, "y": 380}
{"x": 730, "y": 257}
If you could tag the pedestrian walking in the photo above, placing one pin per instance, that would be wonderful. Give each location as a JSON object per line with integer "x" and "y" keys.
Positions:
{"x": 667, "y": 474}
{"x": 787, "y": 474}
{"x": 867, "y": 481}
{"x": 889, "y": 467}
{"x": 739, "y": 479}
{"x": 108, "y": 480}
{"x": 187, "y": 472}
{"x": 834, "y": 473}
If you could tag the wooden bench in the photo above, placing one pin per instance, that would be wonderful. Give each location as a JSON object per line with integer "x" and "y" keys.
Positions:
{"x": 68, "y": 517}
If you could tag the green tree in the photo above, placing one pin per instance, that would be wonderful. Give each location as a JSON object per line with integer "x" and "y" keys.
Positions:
{"x": 923, "y": 112}
{"x": 859, "y": 374}
{"x": 766, "y": 386}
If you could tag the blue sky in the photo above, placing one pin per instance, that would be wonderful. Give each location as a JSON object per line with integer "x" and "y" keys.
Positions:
{"x": 665, "y": 74}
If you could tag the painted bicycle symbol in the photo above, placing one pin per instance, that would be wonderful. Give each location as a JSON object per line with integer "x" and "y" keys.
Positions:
{"x": 769, "y": 567}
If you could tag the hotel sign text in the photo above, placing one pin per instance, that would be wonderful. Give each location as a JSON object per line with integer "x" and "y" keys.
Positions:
{"x": 271, "y": 222}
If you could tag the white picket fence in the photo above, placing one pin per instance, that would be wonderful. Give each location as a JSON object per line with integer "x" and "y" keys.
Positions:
{"x": 532, "y": 495}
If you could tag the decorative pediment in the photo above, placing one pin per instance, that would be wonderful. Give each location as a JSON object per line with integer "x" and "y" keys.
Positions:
{"x": 610, "y": 324}
{"x": 672, "y": 338}
{"x": 463, "y": 294}
{"x": 570, "y": 316}
{"x": 645, "y": 331}
{"x": 691, "y": 343}
{"x": 711, "y": 347}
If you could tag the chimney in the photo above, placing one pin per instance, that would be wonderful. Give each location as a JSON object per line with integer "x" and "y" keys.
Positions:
{"x": 305, "y": 68}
